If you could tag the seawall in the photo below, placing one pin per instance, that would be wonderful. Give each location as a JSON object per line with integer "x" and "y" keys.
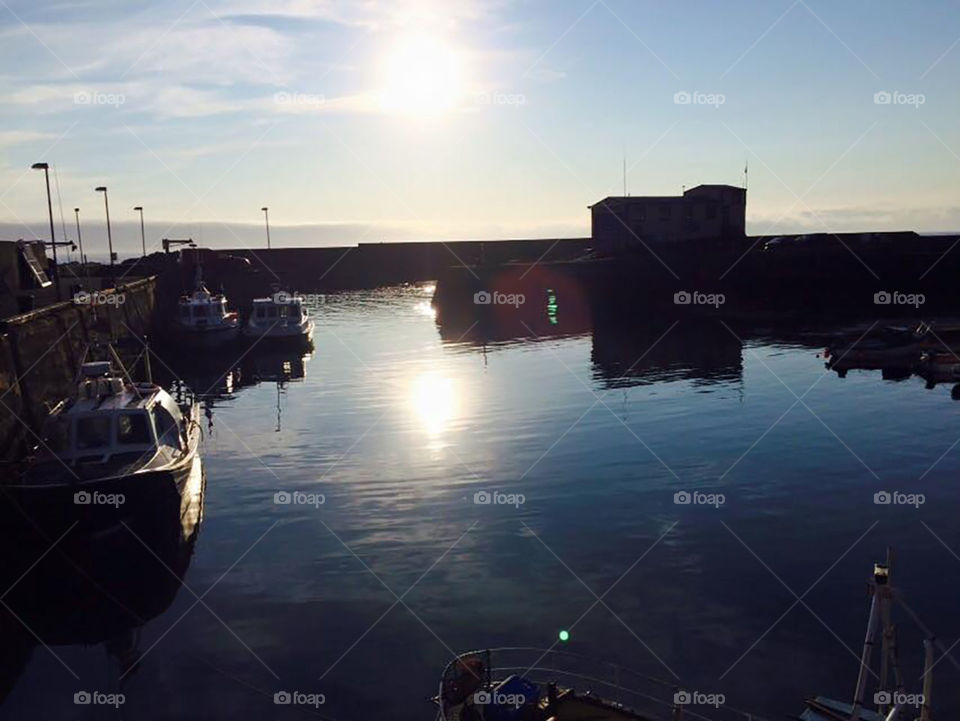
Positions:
{"x": 41, "y": 353}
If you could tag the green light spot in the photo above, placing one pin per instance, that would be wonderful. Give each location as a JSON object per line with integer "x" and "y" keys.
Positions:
{"x": 564, "y": 635}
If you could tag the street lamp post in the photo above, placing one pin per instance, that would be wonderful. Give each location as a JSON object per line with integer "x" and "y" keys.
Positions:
{"x": 83, "y": 258}
{"x": 266, "y": 217}
{"x": 106, "y": 207}
{"x": 45, "y": 167}
{"x": 143, "y": 238}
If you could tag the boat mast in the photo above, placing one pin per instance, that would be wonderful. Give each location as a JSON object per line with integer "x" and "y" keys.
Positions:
{"x": 888, "y": 648}
{"x": 927, "y": 679}
{"x": 879, "y": 579}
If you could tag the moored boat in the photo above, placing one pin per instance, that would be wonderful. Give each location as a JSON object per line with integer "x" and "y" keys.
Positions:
{"x": 281, "y": 316}
{"x": 113, "y": 436}
{"x": 939, "y": 367}
{"x": 887, "y": 347}
{"x": 537, "y": 685}
{"x": 203, "y": 318}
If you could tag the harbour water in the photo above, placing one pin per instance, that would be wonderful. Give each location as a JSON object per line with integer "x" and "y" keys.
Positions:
{"x": 410, "y": 490}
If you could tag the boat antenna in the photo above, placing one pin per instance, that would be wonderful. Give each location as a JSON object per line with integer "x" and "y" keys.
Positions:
{"x": 123, "y": 368}
{"x": 147, "y": 369}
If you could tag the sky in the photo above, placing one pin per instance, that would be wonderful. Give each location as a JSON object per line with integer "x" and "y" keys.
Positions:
{"x": 366, "y": 121}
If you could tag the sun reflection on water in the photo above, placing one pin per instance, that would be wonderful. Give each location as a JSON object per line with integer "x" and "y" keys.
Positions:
{"x": 435, "y": 401}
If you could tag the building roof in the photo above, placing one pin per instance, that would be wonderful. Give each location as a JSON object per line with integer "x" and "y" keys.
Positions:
{"x": 617, "y": 199}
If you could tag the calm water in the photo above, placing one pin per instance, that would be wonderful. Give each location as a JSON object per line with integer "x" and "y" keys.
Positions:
{"x": 400, "y": 424}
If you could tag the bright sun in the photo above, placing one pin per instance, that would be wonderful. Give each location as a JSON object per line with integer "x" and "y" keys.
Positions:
{"x": 421, "y": 76}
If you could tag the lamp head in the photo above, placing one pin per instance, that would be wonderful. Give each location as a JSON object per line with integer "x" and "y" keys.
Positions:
{"x": 101, "y": 189}
{"x": 264, "y": 209}
{"x": 138, "y": 208}
{"x": 40, "y": 166}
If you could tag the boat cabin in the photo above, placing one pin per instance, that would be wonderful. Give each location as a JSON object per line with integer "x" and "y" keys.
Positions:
{"x": 203, "y": 309}
{"x": 282, "y": 309}
{"x": 110, "y": 419}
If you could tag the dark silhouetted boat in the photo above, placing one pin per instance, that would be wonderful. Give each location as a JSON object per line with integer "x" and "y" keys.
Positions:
{"x": 113, "y": 438}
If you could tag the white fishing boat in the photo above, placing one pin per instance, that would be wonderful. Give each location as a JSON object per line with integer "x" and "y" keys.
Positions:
{"x": 114, "y": 436}
{"x": 280, "y": 316}
{"x": 204, "y": 319}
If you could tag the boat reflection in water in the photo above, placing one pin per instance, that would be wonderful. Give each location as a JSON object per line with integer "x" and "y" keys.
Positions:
{"x": 90, "y": 588}
{"x": 217, "y": 377}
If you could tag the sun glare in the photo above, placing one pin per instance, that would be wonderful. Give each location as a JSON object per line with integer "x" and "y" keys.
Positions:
{"x": 435, "y": 402}
{"x": 422, "y": 75}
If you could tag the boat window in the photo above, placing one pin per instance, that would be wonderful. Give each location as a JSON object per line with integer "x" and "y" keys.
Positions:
{"x": 93, "y": 432}
{"x": 167, "y": 431}
{"x": 132, "y": 429}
